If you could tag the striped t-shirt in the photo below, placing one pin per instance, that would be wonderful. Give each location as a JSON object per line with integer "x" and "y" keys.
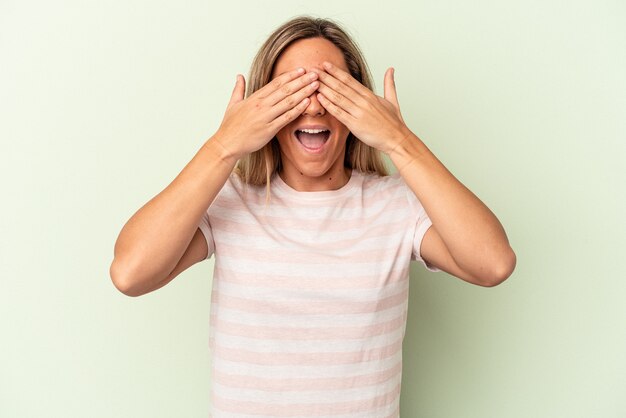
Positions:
{"x": 310, "y": 296}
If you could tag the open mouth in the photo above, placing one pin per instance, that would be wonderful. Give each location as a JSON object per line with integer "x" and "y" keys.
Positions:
{"x": 312, "y": 139}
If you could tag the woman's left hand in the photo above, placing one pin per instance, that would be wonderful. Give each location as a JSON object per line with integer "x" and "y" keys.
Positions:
{"x": 373, "y": 119}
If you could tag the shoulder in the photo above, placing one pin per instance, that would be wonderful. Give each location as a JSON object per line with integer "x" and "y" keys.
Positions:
{"x": 392, "y": 184}
{"x": 391, "y": 187}
{"x": 235, "y": 191}
{"x": 237, "y": 185}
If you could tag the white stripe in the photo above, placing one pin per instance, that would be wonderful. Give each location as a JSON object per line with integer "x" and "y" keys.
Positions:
{"x": 306, "y": 397}
{"x": 347, "y": 267}
{"x": 349, "y": 209}
{"x": 340, "y": 281}
{"x": 302, "y": 224}
{"x": 383, "y": 412}
{"x": 269, "y": 294}
{"x": 236, "y": 342}
{"x": 278, "y": 319}
{"x": 394, "y": 233}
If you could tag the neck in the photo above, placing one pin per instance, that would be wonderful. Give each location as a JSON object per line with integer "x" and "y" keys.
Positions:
{"x": 333, "y": 179}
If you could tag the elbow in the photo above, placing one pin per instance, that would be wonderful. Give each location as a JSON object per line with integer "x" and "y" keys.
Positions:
{"x": 502, "y": 268}
{"x": 122, "y": 280}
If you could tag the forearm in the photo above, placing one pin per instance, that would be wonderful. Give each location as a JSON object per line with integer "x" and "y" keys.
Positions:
{"x": 471, "y": 232}
{"x": 154, "y": 239}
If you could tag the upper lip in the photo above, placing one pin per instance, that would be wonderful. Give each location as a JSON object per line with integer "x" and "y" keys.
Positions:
{"x": 299, "y": 128}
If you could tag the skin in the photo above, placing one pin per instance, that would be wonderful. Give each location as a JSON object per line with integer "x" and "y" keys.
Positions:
{"x": 162, "y": 238}
{"x": 303, "y": 170}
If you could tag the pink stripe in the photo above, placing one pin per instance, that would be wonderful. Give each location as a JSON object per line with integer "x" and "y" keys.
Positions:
{"x": 257, "y": 230}
{"x": 315, "y": 409}
{"x": 309, "y": 257}
{"x": 290, "y": 224}
{"x": 302, "y": 333}
{"x": 305, "y": 359}
{"x": 291, "y": 282}
{"x": 312, "y": 307}
{"x": 294, "y": 384}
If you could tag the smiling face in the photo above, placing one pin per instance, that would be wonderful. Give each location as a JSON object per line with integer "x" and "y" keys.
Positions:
{"x": 313, "y": 146}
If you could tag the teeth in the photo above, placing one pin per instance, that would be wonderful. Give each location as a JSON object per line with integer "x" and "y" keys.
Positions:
{"x": 313, "y": 131}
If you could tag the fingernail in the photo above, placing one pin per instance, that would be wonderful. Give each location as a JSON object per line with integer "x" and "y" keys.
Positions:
{"x": 300, "y": 70}
{"x": 327, "y": 65}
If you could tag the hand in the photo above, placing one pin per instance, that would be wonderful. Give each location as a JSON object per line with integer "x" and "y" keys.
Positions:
{"x": 373, "y": 119}
{"x": 251, "y": 123}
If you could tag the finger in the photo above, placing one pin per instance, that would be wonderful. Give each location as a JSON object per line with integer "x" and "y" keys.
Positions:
{"x": 346, "y": 78}
{"x": 343, "y": 116}
{"x": 279, "y": 81}
{"x": 339, "y": 99}
{"x": 293, "y": 100}
{"x": 340, "y": 87}
{"x": 390, "y": 87}
{"x": 290, "y": 88}
{"x": 283, "y": 119}
{"x": 238, "y": 90}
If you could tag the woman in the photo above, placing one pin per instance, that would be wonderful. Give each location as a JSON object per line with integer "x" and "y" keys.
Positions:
{"x": 312, "y": 239}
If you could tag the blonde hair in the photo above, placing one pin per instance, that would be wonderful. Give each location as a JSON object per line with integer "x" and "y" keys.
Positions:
{"x": 259, "y": 167}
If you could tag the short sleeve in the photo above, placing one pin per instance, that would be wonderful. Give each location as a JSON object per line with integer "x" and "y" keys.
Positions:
{"x": 205, "y": 227}
{"x": 421, "y": 225}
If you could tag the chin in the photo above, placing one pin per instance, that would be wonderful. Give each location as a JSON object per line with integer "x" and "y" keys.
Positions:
{"x": 312, "y": 171}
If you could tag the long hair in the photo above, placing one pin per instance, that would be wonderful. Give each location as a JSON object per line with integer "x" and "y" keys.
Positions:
{"x": 257, "y": 168}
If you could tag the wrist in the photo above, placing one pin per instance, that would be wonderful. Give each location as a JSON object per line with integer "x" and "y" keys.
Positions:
{"x": 398, "y": 141}
{"x": 218, "y": 148}
{"x": 406, "y": 150}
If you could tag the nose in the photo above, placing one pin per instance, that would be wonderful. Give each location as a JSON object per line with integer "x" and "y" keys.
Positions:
{"x": 314, "y": 108}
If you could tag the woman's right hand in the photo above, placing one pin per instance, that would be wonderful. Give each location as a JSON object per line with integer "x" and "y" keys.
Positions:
{"x": 251, "y": 123}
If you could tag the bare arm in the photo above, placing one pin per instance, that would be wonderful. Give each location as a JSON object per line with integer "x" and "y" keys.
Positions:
{"x": 154, "y": 245}
{"x": 466, "y": 239}
{"x": 154, "y": 239}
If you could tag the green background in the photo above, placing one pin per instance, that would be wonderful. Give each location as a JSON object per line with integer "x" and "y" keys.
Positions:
{"x": 103, "y": 103}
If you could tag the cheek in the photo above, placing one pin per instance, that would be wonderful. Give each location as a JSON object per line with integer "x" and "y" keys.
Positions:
{"x": 341, "y": 128}
{"x": 343, "y": 134}
{"x": 283, "y": 135}
{"x": 285, "y": 142}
